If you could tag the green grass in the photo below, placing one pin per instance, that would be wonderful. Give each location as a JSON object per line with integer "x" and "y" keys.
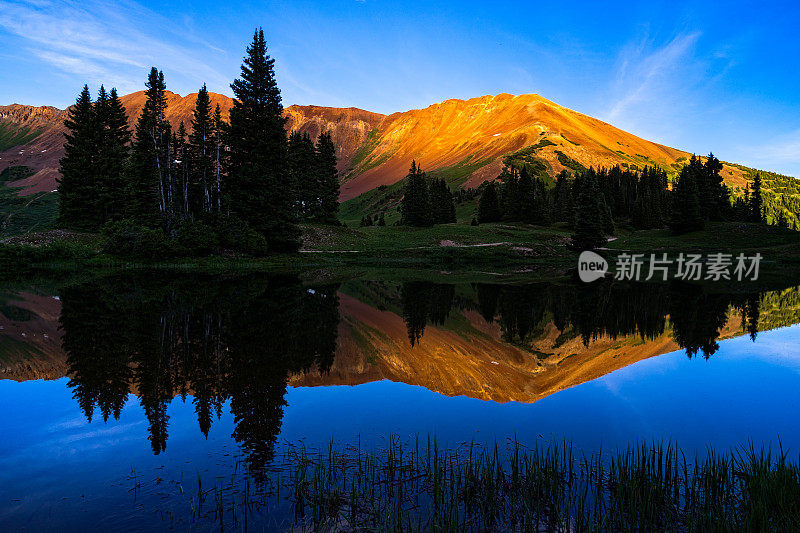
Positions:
{"x": 386, "y": 198}
{"x": 383, "y": 199}
{"x": 399, "y": 238}
{"x": 569, "y": 141}
{"x": 568, "y": 162}
{"x": 370, "y": 143}
{"x": 24, "y": 214}
{"x": 458, "y": 173}
{"x": 12, "y": 135}
{"x": 12, "y": 349}
{"x": 527, "y": 158}
{"x": 781, "y": 194}
{"x": 501, "y": 248}
{"x": 717, "y": 236}
{"x": 418, "y": 485}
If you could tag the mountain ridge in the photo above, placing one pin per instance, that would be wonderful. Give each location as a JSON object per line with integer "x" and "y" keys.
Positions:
{"x": 465, "y": 139}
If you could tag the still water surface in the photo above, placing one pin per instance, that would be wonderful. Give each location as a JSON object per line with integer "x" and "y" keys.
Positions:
{"x": 119, "y": 393}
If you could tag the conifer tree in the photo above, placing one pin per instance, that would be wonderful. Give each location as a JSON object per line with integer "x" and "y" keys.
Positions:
{"x": 301, "y": 168}
{"x": 149, "y": 178}
{"x": 524, "y": 200}
{"x": 444, "y": 210}
{"x": 218, "y": 128}
{"x": 589, "y": 208}
{"x": 99, "y": 185}
{"x": 756, "y": 201}
{"x": 605, "y": 213}
{"x": 202, "y": 151}
{"x": 258, "y": 186}
{"x": 187, "y": 195}
{"x": 327, "y": 179}
{"x": 113, "y": 157}
{"x": 686, "y": 215}
{"x": 717, "y": 194}
{"x": 415, "y": 208}
{"x": 540, "y": 204}
{"x": 489, "y": 205}
{"x": 76, "y": 186}
{"x": 510, "y": 204}
{"x": 562, "y": 198}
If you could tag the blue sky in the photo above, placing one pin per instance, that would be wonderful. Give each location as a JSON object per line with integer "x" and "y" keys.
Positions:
{"x": 699, "y": 76}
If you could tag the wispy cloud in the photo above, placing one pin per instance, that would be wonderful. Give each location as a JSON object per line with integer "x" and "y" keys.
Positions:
{"x": 110, "y": 42}
{"x": 653, "y": 79}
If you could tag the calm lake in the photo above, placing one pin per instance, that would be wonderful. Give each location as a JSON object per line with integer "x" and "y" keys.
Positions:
{"x": 120, "y": 393}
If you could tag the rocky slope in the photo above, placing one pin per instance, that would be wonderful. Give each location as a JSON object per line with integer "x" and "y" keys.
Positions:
{"x": 465, "y": 140}
{"x": 42, "y": 152}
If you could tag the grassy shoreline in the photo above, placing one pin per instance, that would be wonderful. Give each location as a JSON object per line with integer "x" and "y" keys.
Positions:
{"x": 507, "y": 250}
{"x": 417, "y": 485}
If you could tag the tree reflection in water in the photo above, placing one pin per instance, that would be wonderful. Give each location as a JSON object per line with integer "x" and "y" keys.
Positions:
{"x": 608, "y": 309}
{"x": 235, "y": 339}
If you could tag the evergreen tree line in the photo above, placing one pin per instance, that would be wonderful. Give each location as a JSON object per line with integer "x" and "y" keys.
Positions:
{"x": 234, "y": 340}
{"x": 95, "y": 150}
{"x": 594, "y": 202}
{"x": 426, "y": 201}
{"x": 242, "y": 182}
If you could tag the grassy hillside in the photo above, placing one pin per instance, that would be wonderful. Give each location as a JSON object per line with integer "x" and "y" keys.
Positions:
{"x": 24, "y": 214}
{"x": 781, "y": 194}
{"x": 12, "y": 135}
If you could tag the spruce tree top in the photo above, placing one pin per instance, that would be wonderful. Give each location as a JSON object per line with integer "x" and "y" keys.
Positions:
{"x": 257, "y": 86}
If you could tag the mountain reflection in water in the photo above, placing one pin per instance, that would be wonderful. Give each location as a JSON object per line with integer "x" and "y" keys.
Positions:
{"x": 244, "y": 340}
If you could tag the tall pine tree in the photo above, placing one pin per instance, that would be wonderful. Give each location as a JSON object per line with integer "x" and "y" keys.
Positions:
{"x": 113, "y": 158}
{"x": 756, "y": 202}
{"x": 489, "y": 205}
{"x": 149, "y": 178}
{"x": 76, "y": 186}
{"x": 301, "y": 168}
{"x": 219, "y": 155}
{"x": 589, "y": 214}
{"x": 201, "y": 150}
{"x": 686, "y": 214}
{"x": 415, "y": 208}
{"x": 258, "y": 186}
{"x": 183, "y": 160}
{"x": 327, "y": 179}
{"x": 444, "y": 210}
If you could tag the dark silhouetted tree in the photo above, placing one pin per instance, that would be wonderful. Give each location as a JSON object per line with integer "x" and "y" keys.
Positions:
{"x": 259, "y": 188}
{"x": 77, "y": 183}
{"x": 301, "y": 167}
{"x": 589, "y": 214}
{"x": 327, "y": 177}
{"x": 489, "y": 205}
{"x": 685, "y": 215}
{"x": 150, "y": 186}
{"x": 219, "y": 158}
{"x": 415, "y": 209}
{"x": 444, "y": 210}
{"x": 113, "y": 158}
{"x": 756, "y": 201}
{"x": 202, "y": 150}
